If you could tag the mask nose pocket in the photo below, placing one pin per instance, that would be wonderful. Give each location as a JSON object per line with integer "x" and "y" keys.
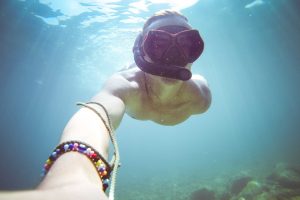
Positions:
{"x": 174, "y": 56}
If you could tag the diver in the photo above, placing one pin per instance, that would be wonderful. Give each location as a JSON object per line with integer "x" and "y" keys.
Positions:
{"x": 159, "y": 86}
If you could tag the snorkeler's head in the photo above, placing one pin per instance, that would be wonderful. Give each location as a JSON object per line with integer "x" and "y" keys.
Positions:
{"x": 163, "y": 18}
{"x": 167, "y": 45}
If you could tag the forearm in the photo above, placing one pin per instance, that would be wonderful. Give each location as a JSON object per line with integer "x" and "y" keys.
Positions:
{"x": 73, "y": 171}
{"x": 84, "y": 126}
{"x": 73, "y": 176}
{"x": 67, "y": 192}
{"x": 30, "y": 194}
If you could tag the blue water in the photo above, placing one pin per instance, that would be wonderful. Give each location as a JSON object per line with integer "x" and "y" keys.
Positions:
{"x": 55, "y": 53}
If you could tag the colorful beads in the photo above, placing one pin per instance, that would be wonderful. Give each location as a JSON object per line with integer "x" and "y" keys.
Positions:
{"x": 75, "y": 147}
{"x": 71, "y": 145}
{"x": 105, "y": 183}
{"x": 88, "y": 151}
{"x": 98, "y": 163}
{"x": 66, "y": 147}
{"x": 101, "y": 165}
{"x": 101, "y": 169}
{"x": 48, "y": 162}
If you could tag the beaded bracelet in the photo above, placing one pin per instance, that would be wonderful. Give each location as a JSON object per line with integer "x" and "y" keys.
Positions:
{"x": 115, "y": 161}
{"x": 101, "y": 165}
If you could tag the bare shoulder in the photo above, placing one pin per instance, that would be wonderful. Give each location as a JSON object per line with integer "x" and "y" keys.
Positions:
{"x": 199, "y": 80}
{"x": 116, "y": 93}
{"x": 133, "y": 75}
{"x": 123, "y": 83}
{"x": 201, "y": 93}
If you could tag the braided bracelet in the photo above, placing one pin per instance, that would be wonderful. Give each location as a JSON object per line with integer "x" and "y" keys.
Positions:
{"x": 101, "y": 165}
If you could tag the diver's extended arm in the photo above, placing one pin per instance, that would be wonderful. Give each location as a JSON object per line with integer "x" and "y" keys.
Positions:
{"x": 113, "y": 97}
{"x": 73, "y": 175}
{"x": 87, "y": 126}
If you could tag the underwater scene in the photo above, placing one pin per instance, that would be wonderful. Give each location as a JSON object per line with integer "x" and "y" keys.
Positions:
{"x": 246, "y": 146}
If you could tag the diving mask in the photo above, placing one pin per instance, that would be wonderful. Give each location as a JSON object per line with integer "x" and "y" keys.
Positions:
{"x": 177, "y": 49}
{"x": 169, "y": 51}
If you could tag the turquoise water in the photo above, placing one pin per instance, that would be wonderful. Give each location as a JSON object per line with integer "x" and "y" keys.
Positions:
{"x": 55, "y": 53}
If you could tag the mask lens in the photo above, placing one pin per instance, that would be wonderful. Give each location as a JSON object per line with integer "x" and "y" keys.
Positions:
{"x": 191, "y": 44}
{"x": 156, "y": 43}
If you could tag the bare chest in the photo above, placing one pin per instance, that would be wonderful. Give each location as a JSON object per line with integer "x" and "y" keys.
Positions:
{"x": 170, "y": 113}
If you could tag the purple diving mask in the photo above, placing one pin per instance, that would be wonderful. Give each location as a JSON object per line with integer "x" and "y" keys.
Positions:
{"x": 170, "y": 48}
